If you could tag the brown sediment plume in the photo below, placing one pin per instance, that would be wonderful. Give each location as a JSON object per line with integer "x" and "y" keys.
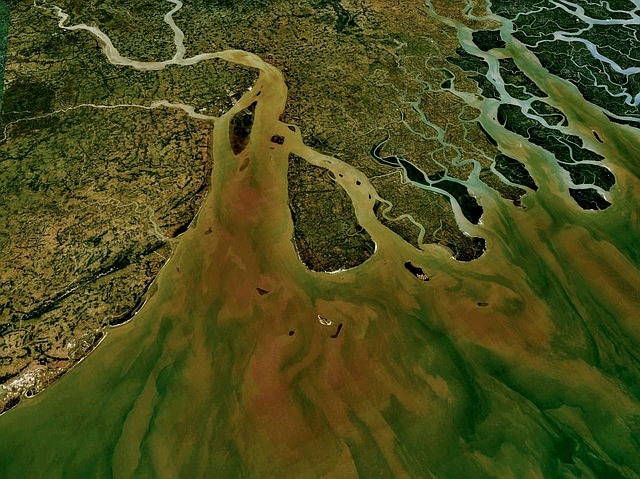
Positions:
{"x": 206, "y": 380}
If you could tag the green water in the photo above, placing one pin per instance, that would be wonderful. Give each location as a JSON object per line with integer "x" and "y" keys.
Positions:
{"x": 541, "y": 381}
{"x": 207, "y": 382}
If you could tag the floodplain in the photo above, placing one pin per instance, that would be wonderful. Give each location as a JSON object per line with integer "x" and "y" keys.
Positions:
{"x": 520, "y": 361}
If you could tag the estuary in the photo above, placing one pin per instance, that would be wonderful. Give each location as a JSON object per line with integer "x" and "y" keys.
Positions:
{"x": 520, "y": 361}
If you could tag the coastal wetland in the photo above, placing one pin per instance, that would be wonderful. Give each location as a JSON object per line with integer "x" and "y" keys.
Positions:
{"x": 500, "y": 341}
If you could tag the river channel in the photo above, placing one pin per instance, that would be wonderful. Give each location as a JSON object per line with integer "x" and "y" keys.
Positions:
{"x": 493, "y": 368}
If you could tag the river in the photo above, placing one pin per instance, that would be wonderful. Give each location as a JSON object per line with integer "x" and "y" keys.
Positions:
{"x": 492, "y": 368}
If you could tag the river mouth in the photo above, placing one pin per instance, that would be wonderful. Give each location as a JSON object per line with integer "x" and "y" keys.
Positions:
{"x": 233, "y": 365}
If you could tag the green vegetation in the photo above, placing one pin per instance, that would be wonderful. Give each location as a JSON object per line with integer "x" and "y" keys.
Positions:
{"x": 471, "y": 63}
{"x": 86, "y": 225}
{"x": 487, "y": 40}
{"x": 589, "y": 199}
{"x": 514, "y": 171}
{"x": 551, "y": 114}
{"x": 136, "y": 28}
{"x": 428, "y": 209}
{"x": 589, "y": 174}
{"x": 91, "y": 197}
{"x": 353, "y": 70}
{"x": 468, "y": 204}
{"x": 598, "y": 10}
{"x": 566, "y": 148}
{"x": 326, "y": 231}
{"x": 508, "y": 192}
{"x": 4, "y": 32}
{"x": 597, "y": 80}
{"x": 517, "y": 84}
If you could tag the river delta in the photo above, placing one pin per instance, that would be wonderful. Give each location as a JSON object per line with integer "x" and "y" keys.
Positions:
{"x": 443, "y": 286}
